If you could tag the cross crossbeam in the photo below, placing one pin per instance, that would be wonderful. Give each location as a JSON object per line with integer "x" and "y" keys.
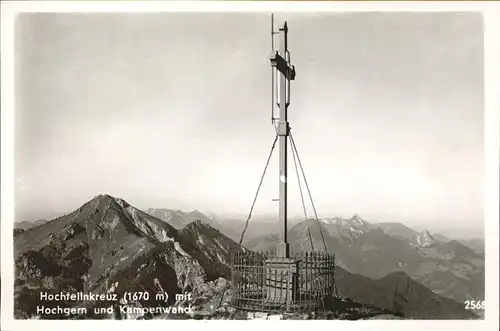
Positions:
{"x": 283, "y": 66}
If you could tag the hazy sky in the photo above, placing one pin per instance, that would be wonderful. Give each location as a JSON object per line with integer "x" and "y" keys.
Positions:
{"x": 173, "y": 110}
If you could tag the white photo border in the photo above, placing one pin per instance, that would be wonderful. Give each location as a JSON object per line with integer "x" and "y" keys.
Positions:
{"x": 491, "y": 16}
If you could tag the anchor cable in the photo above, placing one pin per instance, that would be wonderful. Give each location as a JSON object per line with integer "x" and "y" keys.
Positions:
{"x": 302, "y": 198}
{"x": 258, "y": 189}
{"x": 294, "y": 147}
{"x": 308, "y": 191}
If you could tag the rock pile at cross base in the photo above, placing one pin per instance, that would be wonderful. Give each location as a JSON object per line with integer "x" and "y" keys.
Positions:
{"x": 213, "y": 302}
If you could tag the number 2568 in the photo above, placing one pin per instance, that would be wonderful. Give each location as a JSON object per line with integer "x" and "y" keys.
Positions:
{"x": 475, "y": 304}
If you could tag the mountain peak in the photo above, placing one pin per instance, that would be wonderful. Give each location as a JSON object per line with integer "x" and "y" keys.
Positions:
{"x": 198, "y": 215}
{"x": 107, "y": 200}
{"x": 354, "y": 222}
{"x": 357, "y": 220}
{"x": 427, "y": 234}
{"x": 196, "y": 212}
{"x": 425, "y": 239}
{"x": 200, "y": 225}
{"x": 102, "y": 198}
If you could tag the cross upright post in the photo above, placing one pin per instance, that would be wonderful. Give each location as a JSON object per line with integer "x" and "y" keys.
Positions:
{"x": 286, "y": 72}
{"x": 277, "y": 281}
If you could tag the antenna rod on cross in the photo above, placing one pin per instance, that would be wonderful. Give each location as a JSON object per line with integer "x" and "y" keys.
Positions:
{"x": 286, "y": 73}
{"x": 272, "y": 70}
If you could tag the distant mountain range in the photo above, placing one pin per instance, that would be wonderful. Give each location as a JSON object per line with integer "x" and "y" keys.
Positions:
{"x": 24, "y": 225}
{"x": 401, "y": 231}
{"x": 109, "y": 246}
{"x": 179, "y": 219}
{"x": 448, "y": 268}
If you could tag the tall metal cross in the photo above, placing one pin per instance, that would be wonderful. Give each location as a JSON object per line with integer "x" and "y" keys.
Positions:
{"x": 280, "y": 61}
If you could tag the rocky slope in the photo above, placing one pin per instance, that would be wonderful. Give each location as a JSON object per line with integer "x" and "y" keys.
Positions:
{"x": 212, "y": 246}
{"x": 476, "y": 244}
{"x": 400, "y": 294}
{"x": 453, "y": 270}
{"x": 440, "y": 237}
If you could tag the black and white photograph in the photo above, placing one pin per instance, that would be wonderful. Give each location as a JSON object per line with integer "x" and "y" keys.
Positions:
{"x": 249, "y": 165}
